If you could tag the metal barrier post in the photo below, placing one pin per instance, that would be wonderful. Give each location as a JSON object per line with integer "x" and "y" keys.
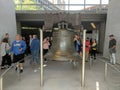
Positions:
{"x": 41, "y": 58}
{"x": 106, "y": 68}
{"x": 1, "y": 83}
{"x": 83, "y": 61}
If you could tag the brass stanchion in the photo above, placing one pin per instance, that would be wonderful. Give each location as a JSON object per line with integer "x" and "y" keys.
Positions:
{"x": 41, "y": 58}
{"x": 1, "y": 83}
{"x": 83, "y": 61}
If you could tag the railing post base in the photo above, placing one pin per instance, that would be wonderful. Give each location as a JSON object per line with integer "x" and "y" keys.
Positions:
{"x": 1, "y": 83}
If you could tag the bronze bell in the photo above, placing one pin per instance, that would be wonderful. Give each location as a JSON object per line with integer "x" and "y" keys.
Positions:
{"x": 62, "y": 48}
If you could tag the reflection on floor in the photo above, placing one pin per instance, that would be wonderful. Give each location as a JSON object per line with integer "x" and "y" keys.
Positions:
{"x": 63, "y": 76}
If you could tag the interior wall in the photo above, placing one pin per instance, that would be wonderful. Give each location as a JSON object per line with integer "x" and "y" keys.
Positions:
{"x": 113, "y": 27}
{"x": 7, "y": 19}
{"x": 102, "y": 36}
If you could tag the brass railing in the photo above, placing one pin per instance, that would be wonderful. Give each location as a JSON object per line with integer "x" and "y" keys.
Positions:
{"x": 7, "y": 72}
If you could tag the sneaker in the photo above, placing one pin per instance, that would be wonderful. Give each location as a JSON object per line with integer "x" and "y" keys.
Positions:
{"x": 7, "y": 66}
{"x": 35, "y": 70}
{"x": 16, "y": 68}
{"x": 21, "y": 70}
{"x": 91, "y": 57}
{"x": 94, "y": 58}
{"x": 2, "y": 67}
{"x": 44, "y": 65}
{"x": 74, "y": 63}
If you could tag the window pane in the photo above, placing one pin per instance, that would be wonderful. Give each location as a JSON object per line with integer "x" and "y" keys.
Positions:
{"x": 77, "y": 7}
{"x": 59, "y": 1}
{"x": 52, "y": 1}
{"x": 17, "y": 1}
{"x": 92, "y": 1}
{"x": 76, "y": 1}
{"x": 105, "y": 1}
{"x": 92, "y": 7}
{"x": 67, "y": 1}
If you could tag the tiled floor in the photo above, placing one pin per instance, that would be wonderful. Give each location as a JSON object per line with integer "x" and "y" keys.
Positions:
{"x": 63, "y": 76}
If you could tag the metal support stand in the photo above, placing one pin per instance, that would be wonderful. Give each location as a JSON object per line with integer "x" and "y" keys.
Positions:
{"x": 1, "y": 83}
{"x": 41, "y": 57}
{"x": 83, "y": 61}
{"x": 106, "y": 67}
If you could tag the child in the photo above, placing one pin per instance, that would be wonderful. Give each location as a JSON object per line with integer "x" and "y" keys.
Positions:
{"x": 5, "y": 53}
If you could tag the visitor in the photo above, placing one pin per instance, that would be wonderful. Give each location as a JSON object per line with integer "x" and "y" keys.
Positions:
{"x": 94, "y": 49}
{"x": 46, "y": 45}
{"x": 18, "y": 49}
{"x": 77, "y": 47}
{"x": 35, "y": 48}
{"x": 87, "y": 49}
{"x": 112, "y": 49}
{"x": 5, "y": 54}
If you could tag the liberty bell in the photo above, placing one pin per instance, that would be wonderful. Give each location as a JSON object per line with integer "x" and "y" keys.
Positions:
{"x": 62, "y": 48}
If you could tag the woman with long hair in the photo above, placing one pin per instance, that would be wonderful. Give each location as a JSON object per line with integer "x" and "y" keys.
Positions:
{"x": 94, "y": 49}
{"x": 5, "y": 53}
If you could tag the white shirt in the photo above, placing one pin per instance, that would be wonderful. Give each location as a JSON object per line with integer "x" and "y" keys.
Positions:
{"x": 3, "y": 48}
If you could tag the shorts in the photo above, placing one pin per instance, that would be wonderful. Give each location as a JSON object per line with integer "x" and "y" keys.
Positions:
{"x": 18, "y": 58}
{"x": 45, "y": 51}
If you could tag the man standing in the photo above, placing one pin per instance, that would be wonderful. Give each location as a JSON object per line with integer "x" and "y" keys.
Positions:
{"x": 112, "y": 49}
{"x": 35, "y": 47}
{"x": 30, "y": 39}
{"x": 18, "y": 48}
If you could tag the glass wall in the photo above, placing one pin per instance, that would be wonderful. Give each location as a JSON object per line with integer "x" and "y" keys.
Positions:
{"x": 105, "y": 1}
{"x": 92, "y": 1}
{"x": 60, "y": 4}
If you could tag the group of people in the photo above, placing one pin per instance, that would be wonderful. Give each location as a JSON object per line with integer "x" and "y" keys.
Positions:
{"x": 16, "y": 48}
{"x": 91, "y": 47}
{"x": 35, "y": 48}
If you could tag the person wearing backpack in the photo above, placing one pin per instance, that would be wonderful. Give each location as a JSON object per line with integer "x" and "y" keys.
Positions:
{"x": 5, "y": 53}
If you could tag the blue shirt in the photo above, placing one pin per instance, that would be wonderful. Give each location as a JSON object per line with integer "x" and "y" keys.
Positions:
{"x": 17, "y": 45}
{"x": 35, "y": 44}
{"x": 77, "y": 46}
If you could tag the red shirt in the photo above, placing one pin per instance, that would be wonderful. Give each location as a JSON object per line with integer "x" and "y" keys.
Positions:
{"x": 87, "y": 46}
